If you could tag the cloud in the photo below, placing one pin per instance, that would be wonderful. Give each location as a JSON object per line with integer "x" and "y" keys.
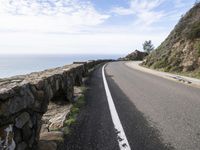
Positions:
{"x": 179, "y": 3}
{"x": 148, "y": 12}
{"x": 76, "y": 26}
{"x": 144, "y": 10}
{"x": 48, "y": 15}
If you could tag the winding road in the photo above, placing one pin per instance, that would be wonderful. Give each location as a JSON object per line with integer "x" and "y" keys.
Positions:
{"x": 154, "y": 113}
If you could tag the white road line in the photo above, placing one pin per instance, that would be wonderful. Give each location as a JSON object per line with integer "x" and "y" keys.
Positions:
{"x": 121, "y": 136}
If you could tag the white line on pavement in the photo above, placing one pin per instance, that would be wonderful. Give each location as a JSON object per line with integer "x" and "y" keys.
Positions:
{"x": 121, "y": 136}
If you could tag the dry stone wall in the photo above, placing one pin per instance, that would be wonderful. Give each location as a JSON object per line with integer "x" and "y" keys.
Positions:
{"x": 24, "y": 99}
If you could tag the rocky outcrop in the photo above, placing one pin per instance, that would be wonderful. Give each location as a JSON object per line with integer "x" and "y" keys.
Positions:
{"x": 180, "y": 52}
{"x": 24, "y": 99}
{"x": 136, "y": 56}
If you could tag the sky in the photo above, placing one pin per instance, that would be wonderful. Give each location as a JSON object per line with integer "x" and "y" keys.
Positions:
{"x": 86, "y": 26}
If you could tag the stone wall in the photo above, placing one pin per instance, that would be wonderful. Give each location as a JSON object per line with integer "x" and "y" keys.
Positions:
{"x": 24, "y": 99}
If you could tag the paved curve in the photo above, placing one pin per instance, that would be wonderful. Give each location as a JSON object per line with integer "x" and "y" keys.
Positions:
{"x": 156, "y": 113}
{"x": 169, "y": 107}
{"x": 94, "y": 129}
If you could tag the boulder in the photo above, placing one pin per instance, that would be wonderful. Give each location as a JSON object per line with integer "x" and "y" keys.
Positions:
{"x": 52, "y": 136}
{"x": 47, "y": 145}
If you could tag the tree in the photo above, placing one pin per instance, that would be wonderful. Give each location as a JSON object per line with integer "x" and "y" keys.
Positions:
{"x": 148, "y": 46}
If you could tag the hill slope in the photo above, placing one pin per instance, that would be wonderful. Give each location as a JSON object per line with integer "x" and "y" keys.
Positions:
{"x": 136, "y": 56}
{"x": 180, "y": 52}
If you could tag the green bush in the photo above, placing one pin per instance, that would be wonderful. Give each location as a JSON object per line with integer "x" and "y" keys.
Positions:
{"x": 160, "y": 64}
{"x": 70, "y": 121}
{"x": 80, "y": 102}
{"x": 74, "y": 110}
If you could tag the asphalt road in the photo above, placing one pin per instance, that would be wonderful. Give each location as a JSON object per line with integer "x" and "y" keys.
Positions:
{"x": 156, "y": 113}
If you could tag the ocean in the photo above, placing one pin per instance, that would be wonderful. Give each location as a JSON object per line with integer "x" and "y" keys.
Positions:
{"x": 11, "y": 65}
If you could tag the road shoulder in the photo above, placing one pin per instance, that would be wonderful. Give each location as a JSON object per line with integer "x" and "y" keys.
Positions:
{"x": 177, "y": 78}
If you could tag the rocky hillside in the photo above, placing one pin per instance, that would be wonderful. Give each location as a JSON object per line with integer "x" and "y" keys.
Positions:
{"x": 180, "y": 52}
{"x": 136, "y": 55}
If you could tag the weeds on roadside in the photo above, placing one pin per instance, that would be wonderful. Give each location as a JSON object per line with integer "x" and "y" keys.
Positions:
{"x": 72, "y": 116}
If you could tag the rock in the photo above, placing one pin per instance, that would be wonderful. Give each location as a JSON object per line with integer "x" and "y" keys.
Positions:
{"x": 58, "y": 120}
{"x": 49, "y": 91}
{"x": 39, "y": 125}
{"x": 77, "y": 93}
{"x": 40, "y": 95}
{"x": 7, "y": 138}
{"x": 21, "y": 120}
{"x": 57, "y": 84}
{"x": 30, "y": 124}
{"x": 52, "y": 136}
{"x": 32, "y": 140}
{"x": 21, "y": 146}
{"x": 44, "y": 128}
{"x": 47, "y": 145}
{"x": 26, "y": 132}
{"x": 19, "y": 103}
{"x": 5, "y": 93}
{"x": 17, "y": 136}
{"x": 4, "y": 109}
{"x": 55, "y": 116}
{"x": 24, "y": 100}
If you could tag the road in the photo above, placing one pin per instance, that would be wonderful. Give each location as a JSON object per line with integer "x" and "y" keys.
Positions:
{"x": 155, "y": 113}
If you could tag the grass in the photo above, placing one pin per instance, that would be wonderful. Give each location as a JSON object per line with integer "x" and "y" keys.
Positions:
{"x": 160, "y": 64}
{"x": 75, "y": 110}
{"x": 66, "y": 130}
{"x": 70, "y": 121}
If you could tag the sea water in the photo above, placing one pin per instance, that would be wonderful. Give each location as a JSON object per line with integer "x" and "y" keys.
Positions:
{"x": 11, "y": 65}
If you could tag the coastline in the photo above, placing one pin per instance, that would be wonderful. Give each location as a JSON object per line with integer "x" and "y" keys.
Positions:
{"x": 14, "y": 65}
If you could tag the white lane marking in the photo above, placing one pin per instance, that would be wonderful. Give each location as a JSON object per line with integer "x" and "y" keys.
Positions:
{"x": 121, "y": 136}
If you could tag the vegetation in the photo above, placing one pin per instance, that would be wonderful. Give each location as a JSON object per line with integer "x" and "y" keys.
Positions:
{"x": 71, "y": 118}
{"x": 194, "y": 31}
{"x": 74, "y": 111}
{"x": 180, "y": 52}
{"x": 198, "y": 49}
{"x": 160, "y": 64}
{"x": 148, "y": 46}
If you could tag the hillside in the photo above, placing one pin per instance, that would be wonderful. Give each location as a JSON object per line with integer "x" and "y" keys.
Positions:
{"x": 136, "y": 56}
{"x": 180, "y": 52}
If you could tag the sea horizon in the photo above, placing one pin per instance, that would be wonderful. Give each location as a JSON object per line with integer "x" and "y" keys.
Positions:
{"x": 20, "y": 64}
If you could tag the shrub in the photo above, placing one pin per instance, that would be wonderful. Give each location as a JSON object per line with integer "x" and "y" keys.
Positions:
{"x": 160, "y": 64}
{"x": 194, "y": 31}
{"x": 70, "y": 121}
